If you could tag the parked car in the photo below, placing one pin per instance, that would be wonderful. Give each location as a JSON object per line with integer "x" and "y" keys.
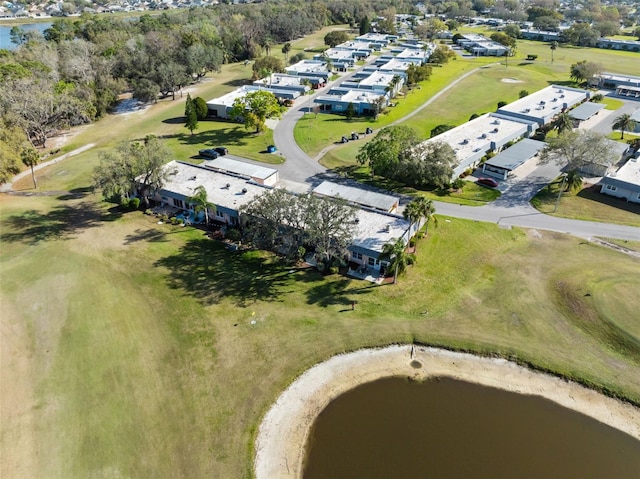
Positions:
{"x": 355, "y": 136}
{"x": 209, "y": 153}
{"x": 488, "y": 182}
{"x": 344, "y": 140}
{"x": 221, "y": 150}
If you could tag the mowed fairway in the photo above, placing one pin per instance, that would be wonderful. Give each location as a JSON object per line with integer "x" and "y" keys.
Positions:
{"x": 128, "y": 348}
{"x": 132, "y": 349}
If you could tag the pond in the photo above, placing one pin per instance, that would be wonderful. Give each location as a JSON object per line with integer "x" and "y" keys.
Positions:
{"x": 397, "y": 428}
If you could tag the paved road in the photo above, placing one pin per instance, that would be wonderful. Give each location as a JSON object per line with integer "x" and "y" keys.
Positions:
{"x": 300, "y": 172}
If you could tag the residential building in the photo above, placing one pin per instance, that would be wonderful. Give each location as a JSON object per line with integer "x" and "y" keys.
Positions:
{"x": 471, "y": 141}
{"x": 501, "y": 165}
{"x": 364, "y": 102}
{"x": 542, "y": 106}
{"x": 624, "y": 183}
{"x": 259, "y": 174}
{"x": 359, "y": 195}
{"x": 480, "y": 45}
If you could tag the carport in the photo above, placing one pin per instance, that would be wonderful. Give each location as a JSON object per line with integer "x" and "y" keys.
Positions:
{"x": 584, "y": 112}
{"x": 508, "y": 160}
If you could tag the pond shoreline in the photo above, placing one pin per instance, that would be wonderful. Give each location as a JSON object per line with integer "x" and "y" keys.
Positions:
{"x": 283, "y": 433}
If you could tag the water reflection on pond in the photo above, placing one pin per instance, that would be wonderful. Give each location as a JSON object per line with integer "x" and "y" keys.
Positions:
{"x": 394, "y": 428}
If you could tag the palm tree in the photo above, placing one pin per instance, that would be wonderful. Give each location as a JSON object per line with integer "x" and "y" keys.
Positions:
{"x": 562, "y": 123}
{"x": 286, "y": 48}
{"x": 624, "y": 123}
{"x": 553, "y": 47}
{"x": 31, "y": 158}
{"x": 573, "y": 180}
{"x": 200, "y": 202}
{"x": 419, "y": 208}
{"x": 396, "y": 254}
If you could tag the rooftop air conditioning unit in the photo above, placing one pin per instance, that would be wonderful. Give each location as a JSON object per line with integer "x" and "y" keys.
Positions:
{"x": 495, "y": 130}
{"x": 484, "y": 135}
{"x": 244, "y": 190}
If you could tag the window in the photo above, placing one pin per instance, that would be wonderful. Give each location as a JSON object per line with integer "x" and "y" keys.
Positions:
{"x": 611, "y": 188}
{"x": 219, "y": 213}
{"x": 372, "y": 261}
{"x": 178, "y": 203}
{"x": 356, "y": 256}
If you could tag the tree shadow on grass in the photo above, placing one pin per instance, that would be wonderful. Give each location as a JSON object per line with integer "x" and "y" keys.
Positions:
{"x": 334, "y": 291}
{"x": 149, "y": 235}
{"x": 233, "y": 136}
{"x": 208, "y": 271}
{"x": 62, "y": 222}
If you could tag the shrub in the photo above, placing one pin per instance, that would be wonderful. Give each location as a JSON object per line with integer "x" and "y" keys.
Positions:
{"x": 333, "y": 269}
{"x": 297, "y": 57}
{"x": 233, "y": 234}
{"x": 457, "y": 184}
{"x": 201, "y": 107}
{"x": 501, "y": 103}
{"x": 164, "y": 218}
{"x": 124, "y": 202}
{"x": 412, "y": 242}
{"x": 134, "y": 203}
{"x": 321, "y": 266}
{"x": 597, "y": 98}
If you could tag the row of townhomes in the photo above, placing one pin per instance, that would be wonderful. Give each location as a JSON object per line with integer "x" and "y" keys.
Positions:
{"x": 369, "y": 90}
{"x": 231, "y": 184}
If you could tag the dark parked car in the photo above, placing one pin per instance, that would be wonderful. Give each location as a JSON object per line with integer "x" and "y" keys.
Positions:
{"x": 209, "y": 153}
{"x": 354, "y": 136}
{"x": 344, "y": 140}
{"x": 221, "y": 150}
{"x": 488, "y": 182}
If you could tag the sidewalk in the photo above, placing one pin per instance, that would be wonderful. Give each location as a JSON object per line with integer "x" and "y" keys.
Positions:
{"x": 8, "y": 187}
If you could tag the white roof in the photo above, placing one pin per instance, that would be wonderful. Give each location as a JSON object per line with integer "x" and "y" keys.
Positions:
{"x": 412, "y": 53}
{"x": 476, "y": 135}
{"x": 374, "y": 229}
{"x": 226, "y": 164}
{"x": 360, "y": 96}
{"x": 229, "y": 98}
{"x": 374, "y": 37}
{"x": 396, "y": 64}
{"x": 309, "y": 66}
{"x": 339, "y": 54}
{"x": 629, "y": 172}
{"x": 378, "y": 78}
{"x": 545, "y": 102}
{"x": 185, "y": 178}
{"x": 354, "y": 45}
{"x": 360, "y": 196}
{"x": 279, "y": 79}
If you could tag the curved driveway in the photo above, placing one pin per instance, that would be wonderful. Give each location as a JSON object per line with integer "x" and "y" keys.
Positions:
{"x": 511, "y": 209}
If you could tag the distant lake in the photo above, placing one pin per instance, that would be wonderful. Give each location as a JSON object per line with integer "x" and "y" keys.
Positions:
{"x": 5, "y": 38}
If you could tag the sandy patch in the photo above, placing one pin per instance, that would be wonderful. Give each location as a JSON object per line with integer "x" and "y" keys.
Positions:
{"x": 284, "y": 430}
{"x": 510, "y": 80}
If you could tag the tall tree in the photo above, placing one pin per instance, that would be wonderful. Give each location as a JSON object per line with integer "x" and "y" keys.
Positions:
{"x": 577, "y": 148}
{"x": 365, "y": 25}
{"x": 133, "y": 168}
{"x": 286, "y": 48}
{"x": 418, "y": 209}
{"x": 563, "y": 122}
{"x": 429, "y": 163}
{"x": 396, "y": 254}
{"x": 553, "y": 47}
{"x": 583, "y": 71}
{"x": 255, "y": 108}
{"x": 624, "y": 123}
{"x": 190, "y": 114}
{"x": 31, "y": 158}
{"x": 573, "y": 180}
{"x": 200, "y": 202}
{"x": 382, "y": 153}
{"x": 335, "y": 37}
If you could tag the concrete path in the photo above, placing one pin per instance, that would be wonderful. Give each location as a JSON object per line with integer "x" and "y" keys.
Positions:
{"x": 7, "y": 187}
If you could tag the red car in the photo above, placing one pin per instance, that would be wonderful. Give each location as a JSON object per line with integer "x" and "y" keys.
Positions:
{"x": 488, "y": 182}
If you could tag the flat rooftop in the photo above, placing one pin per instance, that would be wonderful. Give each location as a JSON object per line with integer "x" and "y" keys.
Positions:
{"x": 184, "y": 178}
{"x": 241, "y": 168}
{"x": 360, "y": 196}
{"x": 339, "y": 54}
{"x": 279, "y": 79}
{"x": 476, "y": 135}
{"x": 309, "y": 66}
{"x": 378, "y": 78}
{"x": 586, "y": 110}
{"x": 627, "y": 174}
{"x": 357, "y": 96}
{"x": 549, "y": 100}
{"x": 619, "y": 77}
{"x": 516, "y": 154}
{"x": 374, "y": 229}
{"x": 397, "y": 64}
{"x": 229, "y": 98}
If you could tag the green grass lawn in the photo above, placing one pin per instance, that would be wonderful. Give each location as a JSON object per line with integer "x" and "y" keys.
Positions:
{"x": 134, "y": 353}
{"x": 132, "y": 349}
{"x": 612, "y": 103}
{"x": 588, "y": 204}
